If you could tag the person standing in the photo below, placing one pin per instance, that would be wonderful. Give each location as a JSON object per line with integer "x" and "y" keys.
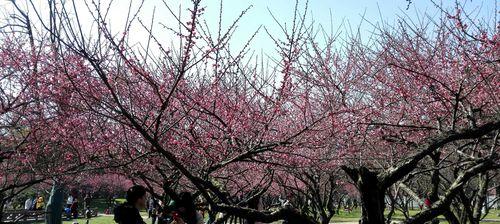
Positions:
{"x": 154, "y": 215}
{"x": 128, "y": 212}
{"x": 427, "y": 201}
{"x": 74, "y": 208}
{"x": 86, "y": 201}
{"x": 33, "y": 203}
{"x": 40, "y": 203}
{"x": 152, "y": 210}
{"x": 28, "y": 204}
{"x": 186, "y": 210}
{"x": 151, "y": 205}
{"x": 69, "y": 201}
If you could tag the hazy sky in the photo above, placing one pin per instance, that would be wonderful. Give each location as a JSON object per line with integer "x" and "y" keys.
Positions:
{"x": 347, "y": 11}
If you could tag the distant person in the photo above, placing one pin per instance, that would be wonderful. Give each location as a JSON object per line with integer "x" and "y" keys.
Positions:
{"x": 154, "y": 215}
{"x": 186, "y": 210}
{"x": 69, "y": 201}
{"x": 152, "y": 210}
{"x": 86, "y": 201}
{"x": 67, "y": 212}
{"x": 33, "y": 203}
{"x": 427, "y": 201}
{"x": 88, "y": 215}
{"x": 74, "y": 208}
{"x": 151, "y": 206}
{"x": 128, "y": 212}
{"x": 40, "y": 203}
{"x": 28, "y": 204}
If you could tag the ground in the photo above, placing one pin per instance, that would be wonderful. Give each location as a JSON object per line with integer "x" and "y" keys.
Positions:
{"x": 343, "y": 217}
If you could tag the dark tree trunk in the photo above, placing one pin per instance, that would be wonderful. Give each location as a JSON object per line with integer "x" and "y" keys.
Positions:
{"x": 371, "y": 192}
{"x": 451, "y": 218}
{"x": 55, "y": 205}
{"x": 372, "y": 203}
{"x": 326, "y": 219}
{"x": 2, "y": 203}
{"x": 435, "y": 179}
{"x": 253, "y": 204}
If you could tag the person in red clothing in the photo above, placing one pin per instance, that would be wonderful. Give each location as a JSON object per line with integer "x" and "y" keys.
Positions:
{"x": 427, "y": 201}
{"x": 74, "y": 208}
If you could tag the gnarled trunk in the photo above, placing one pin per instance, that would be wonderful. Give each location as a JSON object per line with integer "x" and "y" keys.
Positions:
{"x": 372, "y": 195}
{"x": 372, "y": 202}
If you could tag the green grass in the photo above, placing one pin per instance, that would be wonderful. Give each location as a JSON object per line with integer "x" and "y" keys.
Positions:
{"x": 398, "y": 215}
{"x": 101, "y": 219}
{"x": 96, "y": 220}
{"x": 353, "y": 216}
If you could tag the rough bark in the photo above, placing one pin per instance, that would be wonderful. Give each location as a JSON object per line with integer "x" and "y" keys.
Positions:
{"x": 481, "y": 197}
{"x": 371, "y": 192}
{"x": 53, "y": 213}
{"x": 435, "y": 179}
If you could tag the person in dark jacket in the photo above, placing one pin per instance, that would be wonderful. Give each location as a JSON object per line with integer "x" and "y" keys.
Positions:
{"x": 128, "y": 212}
{"x": 186, "y": 210}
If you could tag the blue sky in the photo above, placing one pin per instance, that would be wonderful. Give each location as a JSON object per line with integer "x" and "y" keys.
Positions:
{"x": 347, "y": 11}
{"x": 342, "y": 11}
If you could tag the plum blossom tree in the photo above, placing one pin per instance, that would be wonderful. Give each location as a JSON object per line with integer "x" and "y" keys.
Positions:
{"x": 199, "y": 115}
{"x": 41, "y": 138}
{"x": 419, "y": 94}
{"x": 200, "y": 110}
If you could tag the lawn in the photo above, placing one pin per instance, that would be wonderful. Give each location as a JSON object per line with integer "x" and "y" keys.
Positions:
{"x": 342, "y": 217}
{"x": 100, "y": 219}
{"x": 96, "y": 220}
{"x": 354, "y": 216}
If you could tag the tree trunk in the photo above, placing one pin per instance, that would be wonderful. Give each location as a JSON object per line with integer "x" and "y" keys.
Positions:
{"x": 435, "y": 177}
{"x": 451, "y": 218}
{"x": 392, "y": 204}
{"x": 326, "y": 219}
{"x": 53, "y": 213}
{"x": 372, "y": 203}
{"x": 253, "y": 204}
{"x": 371, "y": 192}
{"x": 481, "y": 197}
{"x": 2, "y": 203}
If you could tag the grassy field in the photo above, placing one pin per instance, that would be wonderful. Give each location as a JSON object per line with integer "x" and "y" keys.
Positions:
{"x": 109, "y": 220}
{"x": 353, "y": 216}
{"x": 97, "y": 220}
